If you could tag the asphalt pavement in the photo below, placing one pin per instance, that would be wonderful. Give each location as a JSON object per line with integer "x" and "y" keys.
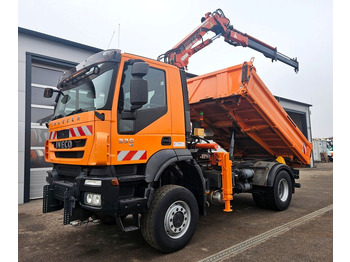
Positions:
{"x": 303, "y": 232}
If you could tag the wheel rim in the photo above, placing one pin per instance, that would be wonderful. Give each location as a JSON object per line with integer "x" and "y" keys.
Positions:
{"x": 177, "y": 219}
{"x": 283, "y": 190}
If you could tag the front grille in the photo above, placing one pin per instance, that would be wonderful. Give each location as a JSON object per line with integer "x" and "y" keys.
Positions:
{"x": 75, "y": 143}
{"x": 70, "y": 154}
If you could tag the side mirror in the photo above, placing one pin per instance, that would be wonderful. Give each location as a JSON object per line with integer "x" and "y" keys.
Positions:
{"x": 139, "y": 69}
{"x": 48, "y": 92}
{"x": 138, "y": 85}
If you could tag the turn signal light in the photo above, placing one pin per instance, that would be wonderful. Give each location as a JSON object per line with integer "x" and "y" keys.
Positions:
{"x": 115, "y": 182}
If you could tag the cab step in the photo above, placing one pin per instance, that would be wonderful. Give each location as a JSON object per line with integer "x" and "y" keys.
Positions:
{"x": 127, "y": 228}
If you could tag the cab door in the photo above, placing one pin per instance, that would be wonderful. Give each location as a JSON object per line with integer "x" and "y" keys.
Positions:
{"x": 135, "y": 140}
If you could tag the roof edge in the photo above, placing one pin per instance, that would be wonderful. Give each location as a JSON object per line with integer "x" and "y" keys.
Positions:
{"x": 57, "y": 40}
{"x": 279, "y": 98}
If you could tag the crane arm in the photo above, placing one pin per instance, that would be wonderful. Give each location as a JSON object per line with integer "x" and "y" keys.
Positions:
{"x": 217, "y": 23}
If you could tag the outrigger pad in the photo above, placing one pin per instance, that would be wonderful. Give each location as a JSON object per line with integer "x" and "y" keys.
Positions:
{"x": 50, "y": 203}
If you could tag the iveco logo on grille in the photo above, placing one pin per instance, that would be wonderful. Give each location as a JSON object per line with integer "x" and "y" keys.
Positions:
{"x": 64, "y": 144}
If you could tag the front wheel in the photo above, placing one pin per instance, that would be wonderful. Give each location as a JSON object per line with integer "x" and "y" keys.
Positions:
{"x": 170, "y": 222}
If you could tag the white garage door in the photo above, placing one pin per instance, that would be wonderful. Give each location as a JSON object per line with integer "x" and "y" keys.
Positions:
{"x": 43, "y": 76}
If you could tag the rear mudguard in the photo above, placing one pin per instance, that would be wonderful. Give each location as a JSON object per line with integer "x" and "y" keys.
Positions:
{"x": 266, "y": 172}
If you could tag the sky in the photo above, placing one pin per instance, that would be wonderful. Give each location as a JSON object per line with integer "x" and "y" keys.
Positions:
{"x": 302, "y": 29}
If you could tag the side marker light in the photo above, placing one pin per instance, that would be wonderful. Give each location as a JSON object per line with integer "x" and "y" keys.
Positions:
{"x": 115, "y": 182}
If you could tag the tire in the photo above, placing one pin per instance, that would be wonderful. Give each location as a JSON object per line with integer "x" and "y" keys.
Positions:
{"x": 280, "y": 195}
{"x": 170, "y": 222}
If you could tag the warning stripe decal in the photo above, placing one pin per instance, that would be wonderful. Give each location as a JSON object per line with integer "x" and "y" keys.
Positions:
{"x": 74, "y": 132}
{"x": 132, "y": 155}
{"x": 53, "y": 135}
{"x": 80, "y": 131}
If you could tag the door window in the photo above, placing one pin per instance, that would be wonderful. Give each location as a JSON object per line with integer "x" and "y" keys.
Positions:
{"x": 152, "y": 110}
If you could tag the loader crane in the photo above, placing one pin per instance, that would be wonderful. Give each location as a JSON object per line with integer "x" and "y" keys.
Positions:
{"x": 217, "y": 23}
{"x": 128, "y": 140}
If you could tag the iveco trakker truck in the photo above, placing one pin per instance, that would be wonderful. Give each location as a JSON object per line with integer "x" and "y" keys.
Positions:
{"x": 132, "y": 136}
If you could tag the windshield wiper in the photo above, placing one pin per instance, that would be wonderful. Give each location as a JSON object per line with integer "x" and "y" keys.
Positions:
{"x": 58, "y": 116}
{"x": 80, "y": 110}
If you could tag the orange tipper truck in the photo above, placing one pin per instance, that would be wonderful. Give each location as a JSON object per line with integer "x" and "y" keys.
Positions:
{"x": 135, "y": 136}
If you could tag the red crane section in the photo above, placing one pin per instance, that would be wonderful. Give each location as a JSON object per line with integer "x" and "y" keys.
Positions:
{"x": 217, "y": 23}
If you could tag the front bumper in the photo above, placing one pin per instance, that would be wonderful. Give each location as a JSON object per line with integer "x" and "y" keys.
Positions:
{"x": 69, "y": 196}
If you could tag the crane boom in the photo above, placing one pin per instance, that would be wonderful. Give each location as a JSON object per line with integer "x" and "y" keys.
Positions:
{"x": 217, "y": 22}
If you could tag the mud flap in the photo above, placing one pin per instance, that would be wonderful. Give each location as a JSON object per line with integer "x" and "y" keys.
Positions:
{"x": 50, "y": 203}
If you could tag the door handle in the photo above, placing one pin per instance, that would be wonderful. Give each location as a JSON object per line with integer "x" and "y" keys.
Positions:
{"x": 166, "y": 141}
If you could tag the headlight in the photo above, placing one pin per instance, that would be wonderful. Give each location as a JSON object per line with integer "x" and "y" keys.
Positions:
{"x": 88, "y": 198}
{"x": 92, "y": 199}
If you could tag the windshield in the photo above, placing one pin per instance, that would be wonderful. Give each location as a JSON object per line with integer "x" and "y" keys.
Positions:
{"x": 88, "y": 91}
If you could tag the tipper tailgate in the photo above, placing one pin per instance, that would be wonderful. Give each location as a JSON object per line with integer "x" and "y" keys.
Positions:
{"x": 244, "y": 105}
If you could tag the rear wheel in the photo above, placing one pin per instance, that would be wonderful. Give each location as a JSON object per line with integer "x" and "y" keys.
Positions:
{"x": 277, "y": 197}
{"x": 280, "y": 195}
{"x": 170, "y": 222}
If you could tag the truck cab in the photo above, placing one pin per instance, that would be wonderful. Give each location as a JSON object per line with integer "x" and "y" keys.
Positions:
{"x": 94, "y": 112}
